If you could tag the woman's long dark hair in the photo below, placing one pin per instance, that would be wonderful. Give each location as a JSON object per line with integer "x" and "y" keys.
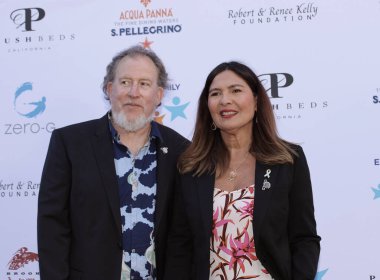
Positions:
{"x": 208, "y": 152}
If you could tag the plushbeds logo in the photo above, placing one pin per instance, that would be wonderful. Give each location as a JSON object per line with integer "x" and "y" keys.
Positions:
{"x": 276, "y": 84}
{"x": 30, "y": 106}
{"x": 23, "y": 264}
{"x": 28, "y": 21}
{"x": 145, "y": 20}
{"x": 25, "y": 17}
{"x": 302, "y": 12}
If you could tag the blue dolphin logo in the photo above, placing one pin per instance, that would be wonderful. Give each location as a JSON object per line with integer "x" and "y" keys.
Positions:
{"x": 39, "y": 106}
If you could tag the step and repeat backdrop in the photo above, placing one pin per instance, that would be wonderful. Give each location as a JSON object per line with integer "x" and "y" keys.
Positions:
{"x": 319, "y": 61}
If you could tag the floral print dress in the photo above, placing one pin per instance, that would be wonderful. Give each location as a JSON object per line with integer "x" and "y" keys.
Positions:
{"x": 232, "y": 247}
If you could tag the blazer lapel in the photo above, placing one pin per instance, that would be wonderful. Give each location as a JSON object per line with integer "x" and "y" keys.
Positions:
{"x": 264, "y": 184}
{"x": 205, "y": 186}
{"x": 164, "y": 177}
{"x": 103, "y": 151}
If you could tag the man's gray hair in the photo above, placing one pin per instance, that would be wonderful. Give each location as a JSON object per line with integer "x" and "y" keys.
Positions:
{"x": 133, "y": 52}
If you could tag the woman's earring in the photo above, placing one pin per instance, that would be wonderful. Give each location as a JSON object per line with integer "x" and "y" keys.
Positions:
{"x": 213, "y": 126}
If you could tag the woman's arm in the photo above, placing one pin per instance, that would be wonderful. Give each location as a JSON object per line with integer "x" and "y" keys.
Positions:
{"x": 180, "y": 247}
{"x": 303, "y": 238}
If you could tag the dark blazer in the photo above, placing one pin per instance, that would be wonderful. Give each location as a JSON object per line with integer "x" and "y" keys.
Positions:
{"x": 284, "y": 227}
{"x": 79, "y": 223}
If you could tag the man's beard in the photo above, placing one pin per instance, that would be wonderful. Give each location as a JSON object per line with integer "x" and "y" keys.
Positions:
{"x": 131, "y": 125}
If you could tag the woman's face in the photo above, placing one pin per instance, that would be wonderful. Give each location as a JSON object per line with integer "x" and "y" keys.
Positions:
{"x": 231, "y": 102}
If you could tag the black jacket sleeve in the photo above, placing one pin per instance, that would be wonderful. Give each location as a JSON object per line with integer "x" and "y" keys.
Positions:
{"x": 180, "y": 247}
{"x": 303, "y": 238}
{"x": 53, "y": 218}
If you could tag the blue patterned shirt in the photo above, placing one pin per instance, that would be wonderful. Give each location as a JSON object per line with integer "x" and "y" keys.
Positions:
{"x": 137, "y": 190}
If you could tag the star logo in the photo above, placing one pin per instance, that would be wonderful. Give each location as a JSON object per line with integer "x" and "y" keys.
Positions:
{"x": 377, "y": 192}
{"x": 177, "y": 110}
{"x": 146, "y": 44}
{"x": 320, "y": 274}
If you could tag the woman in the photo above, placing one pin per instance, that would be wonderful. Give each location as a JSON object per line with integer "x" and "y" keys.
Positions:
{"x": 244, "y": 206}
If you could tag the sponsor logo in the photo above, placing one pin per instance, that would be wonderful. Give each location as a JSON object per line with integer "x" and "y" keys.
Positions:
{"x": 145, "y": 2}
{"x": 376, "y": 98}
{"x": 25, "y": 17}
{"x": 28, "y": 109}
{"x": 159, "y": 118}
{"x": 173, "y": 105}
{"x": 27, "y": 105}
{"x": 320, "y": 274}
{"x": 28, "y": 21}
{"x": 376, "y": 192}
{"x": 146, "y": 44}
{"x": 19, "y": 189}
{"x": 301, "y": 12}
{"x": 23, "y": 264}
{"x": 146, "y": 21}
{"x": 177, "y": 108}
{"x": 276, "y": 84}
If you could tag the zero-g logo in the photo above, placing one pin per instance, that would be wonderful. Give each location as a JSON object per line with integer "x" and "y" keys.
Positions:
{"x": 25, "y": 17}
{"x": 274, "y": 81}
{"x": 27, "y": 106}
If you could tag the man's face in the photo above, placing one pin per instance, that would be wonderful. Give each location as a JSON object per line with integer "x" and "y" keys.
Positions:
{"x": 134, "y": 93}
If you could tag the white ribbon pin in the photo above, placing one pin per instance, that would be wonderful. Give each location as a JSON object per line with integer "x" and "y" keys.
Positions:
{"x": 266, "y": 184}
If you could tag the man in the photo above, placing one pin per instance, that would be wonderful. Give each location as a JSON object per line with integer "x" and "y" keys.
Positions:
{"x": 107, "y": 185}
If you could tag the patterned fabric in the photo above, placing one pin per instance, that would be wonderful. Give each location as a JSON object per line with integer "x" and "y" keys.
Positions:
{"x": 232, "y": 247}
{"x": 137, "y": 189}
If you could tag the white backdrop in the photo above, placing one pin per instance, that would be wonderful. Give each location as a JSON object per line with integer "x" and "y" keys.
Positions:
{"x": 319, "y": 60}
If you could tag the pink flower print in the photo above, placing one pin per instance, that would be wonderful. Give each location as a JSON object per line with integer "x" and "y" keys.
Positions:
{"x": 240, "y": 250}
{"x": 246, "y": 210}
{"x": 217, "y": 223}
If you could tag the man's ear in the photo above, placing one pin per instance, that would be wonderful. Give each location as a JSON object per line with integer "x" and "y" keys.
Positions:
{"x": 160, "y": 95}
{"x": 109, "y": 89}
